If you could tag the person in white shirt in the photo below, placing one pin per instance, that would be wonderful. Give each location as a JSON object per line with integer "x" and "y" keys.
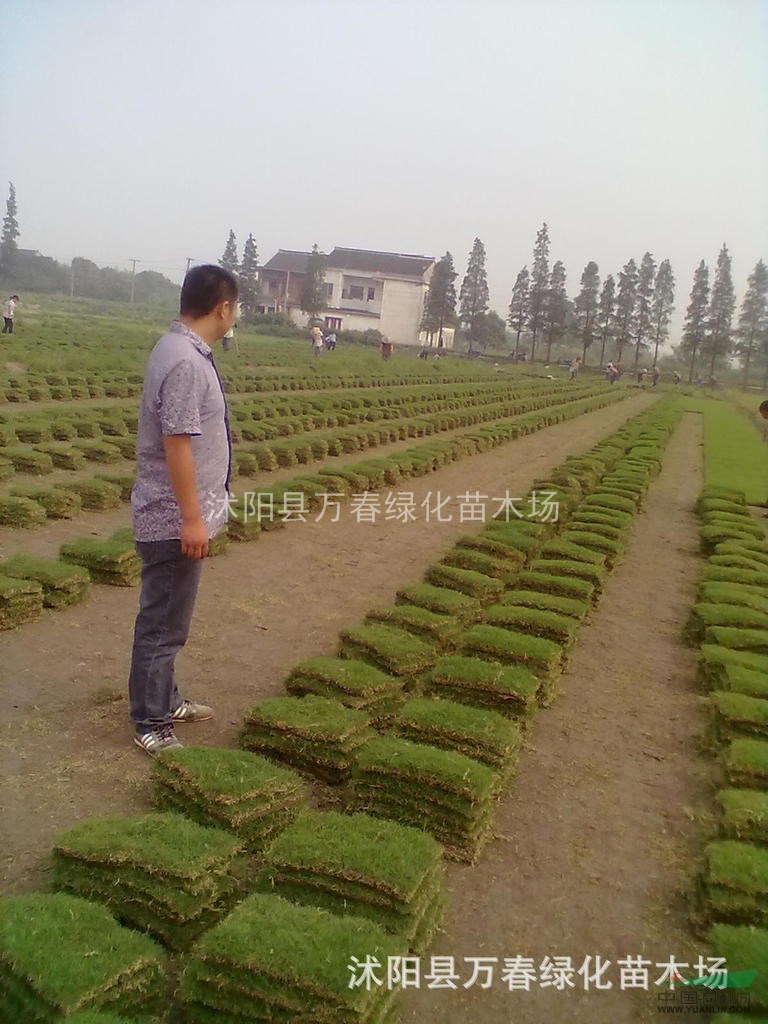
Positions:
{"x": 9, "y": 311}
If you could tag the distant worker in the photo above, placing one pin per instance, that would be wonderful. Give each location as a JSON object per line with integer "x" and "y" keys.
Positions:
{"x": 9, "y": 312}
{"x": 655, "y": 376}
{"x": 386, "y": 349}
{"x": 676, "y": 378}
{"x": 330, "y": 340}
{"x": 574, "y": 368}
{"x": 317, "y": 340}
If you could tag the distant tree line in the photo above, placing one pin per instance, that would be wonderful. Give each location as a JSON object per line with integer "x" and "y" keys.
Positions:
{"x": 28, "y": 270}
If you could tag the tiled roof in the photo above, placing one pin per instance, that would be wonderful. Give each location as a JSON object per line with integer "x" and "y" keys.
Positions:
{"x": 288, "y": 259}
{"x": 367, "y": 261}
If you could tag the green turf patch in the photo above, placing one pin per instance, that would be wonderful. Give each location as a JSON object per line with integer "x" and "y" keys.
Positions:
{"x": 58, "y": 504}
{"x": 755, "y": 640}
{"x": 61, "y": 954}
{"x": 242, "y": 792}
{"x": 494, "y": 547}
{"x": 509, "y": 689}
{"x": 289, "y": 961}
{"x": 744, "y": 680}
{"x": 484, "y": 735}
{"x": 569, "y": 606}
{"x": 108, "y": 561}
{"x": 705, "y": 615}
{"x": 355, "y": 684}
{"x": 738, "y": 713}
{"x": 745, "y": 814}
{"x": 432, "y": 626}
{"x": 543, "y": 657}
{"x": 714, "y": 660}
{"x": 440, "y": 600}
{"x": 21, "y": 601}
{"x": 548, "y": 624}
{"x": 95, "y": 495}
{"x": 552, "y": 583}
{"x": 746, "y": 763}
{"x": 28, "y": 460}
{"x": 593, "y": 574}
{"x": 744, "y": 948}
{"x": 479, "y": 561}
{"x": 63, "y": 585}
{"x": 393, "y": 650}
{"x": 735, "y": 594}
{"x": 745, "y": 577}
{"x": 466, "y": 581}
{"x": 318, "y": 736}
{"x": 21, "y": 513}
{"x": 736, "y": 882}
{"x": 613, "y": 502}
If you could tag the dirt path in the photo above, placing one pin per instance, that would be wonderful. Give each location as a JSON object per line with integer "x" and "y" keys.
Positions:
{"x": 596, "y": 831}
{"x": 65, "y": 750}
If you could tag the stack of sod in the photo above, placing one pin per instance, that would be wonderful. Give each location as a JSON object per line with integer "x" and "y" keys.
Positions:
{"x": 58, "y": 503}
{"x": 746, "y": 763}
{"x": 27, "y": 460}
{"x": 158, "y": 872}
{"x": 441, "y": 600}
{"x": 484, "y": 735}
{"x": 745, "y": 949}
{"x": 63, "y": 456}
{"x": 108, "y": 561}
{"x": 355, "y": 684}
{"x": 744, "y": 814}
{"x": 465, "y": 581}
{"x": 388, "y": 648}
{"x": 551, "y": 625}
{"x": 510, "y": 647}
{"x": 21, "y": 512}
{"x": 706, "y": 614}
{"x": 509, "y": 689}
{"x": 242, "y": 521}
{"x": 368, "y": 867}
{"x": 738, "y": 639}
{"x": 63, "y": 585}
{"x": 540, "y": 601}
{"x": 440, "y": 791}
{"x": 273, "y": 961}
{"x": 737, "y": 714}
{"x": 20, "y": 601}
{"x": 735, "y": 882}
{"x": 434, "y": 626}
{"x": 60, "y": 954}
{"x": 123, "y": 481}
{"x": 463, "y": 557}
{"x": 231, "y": 789}
{"x": 96, "y": 495}
{"x": 715, "y": 662}
{"x": 318, "y": 736}
{"x": 218, "y": 545}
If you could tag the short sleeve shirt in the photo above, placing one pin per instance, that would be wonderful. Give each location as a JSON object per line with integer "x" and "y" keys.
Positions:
{"x": 182, "y": 395}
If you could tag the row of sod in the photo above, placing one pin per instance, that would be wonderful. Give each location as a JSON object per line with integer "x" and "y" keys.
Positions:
{"x": 729, "y": 624}
{"x": 113, "y": 561}
{"x": 304, "y": 441}
{"x": 328, "y": 885}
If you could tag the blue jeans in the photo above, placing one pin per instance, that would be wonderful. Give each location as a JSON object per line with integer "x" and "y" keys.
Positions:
{"x": 169, "y": 582}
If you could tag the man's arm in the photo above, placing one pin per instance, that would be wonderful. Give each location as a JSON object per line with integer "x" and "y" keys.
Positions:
{"x": 181, "y": 470}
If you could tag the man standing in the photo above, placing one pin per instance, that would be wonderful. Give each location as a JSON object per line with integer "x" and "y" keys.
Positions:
{"x": 179, "y": 500}
{"x": 9, "y": 311}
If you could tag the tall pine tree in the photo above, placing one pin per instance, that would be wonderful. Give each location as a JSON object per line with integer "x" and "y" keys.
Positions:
{"x": 585, "y": 307}
{"x": 722, "y": 304}
{"x": 8, "y": 246}
{"x": 440, "y": 304}
{"x": 626, "y": 303}
{"x": 518, "y": 306}
{"x": 249, "y": 278}
{"x": 537, "y": 299}
{"x": 312, "y": 299}
{"x": 662, "y": 306}
{"x": 646, "y": 280}
{"x": 753, "y": 319}
{"x": 557, "y": 306}
{"x": 229, "y": 256}
{"x": 606, "y": 314}
{"x": 694, "y": 329}
{"x": 474, "y": 293}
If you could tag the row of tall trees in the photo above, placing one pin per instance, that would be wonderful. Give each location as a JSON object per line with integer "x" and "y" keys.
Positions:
{"x": 246, "y": 270}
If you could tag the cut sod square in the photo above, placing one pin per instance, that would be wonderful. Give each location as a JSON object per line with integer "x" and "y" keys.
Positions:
{"x": 744, "y": 948}
{"x": 247, "y": 794}
{"x": 316, "y": 735}
{"x": 744, "y": 680}
{"x": 738, "y": 714}
{"x": 432, "y": 626}
{"x": 494, "y": 547}
{"x": 745, "y": 814}
{"x": 705, "y": 614}
{"x": 466, "y": 581}
{"x": 359, "y": 865}
{"x": 63, "y": 585}
{"x": 58, "y": 504}
{"x": 543, "y": 657}
{"x": 21, "y": 601}
{"x": 355, "y": 684}
{"x": 484, "y": 735}
{"x": 715, "y": 660}
{"x": 746, "y": 763}
{"x": 753, "y": 640}
{"x": 158, "y": 872}
{"x": 274, "y": 960}
{"x": 114, "y": 562}
{"x": 509, "y": 689}
{"x": 548, "y": 624}
{"x": 593, "y": 574}
{"x": 96, "y": 495}
{"x": 442, "y": 600}
{"x": 21, "y": 512}
{"x": 745, "y": 577}
{"x": 569, "y": 551}
{"x": 569, "y": 606}
{"x": 481, "y": 562}
{"x": 61, "y": 954}
{"x": 393, "y": 650}
{"x": 736, "y": 881}
{"x": 550, "y": 582}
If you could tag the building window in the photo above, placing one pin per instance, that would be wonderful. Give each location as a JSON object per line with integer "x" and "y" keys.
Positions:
{"x": 333, "y": 323}
{"x": 329, "y": 289}
{"x": 354, "y": 291}
{"x": 371, "y": 294}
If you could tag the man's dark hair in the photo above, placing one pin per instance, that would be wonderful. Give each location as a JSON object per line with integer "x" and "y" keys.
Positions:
{"x": 204, "y": 288}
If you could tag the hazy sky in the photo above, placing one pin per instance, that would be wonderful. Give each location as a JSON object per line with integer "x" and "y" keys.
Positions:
{"x": 148, "y": 129}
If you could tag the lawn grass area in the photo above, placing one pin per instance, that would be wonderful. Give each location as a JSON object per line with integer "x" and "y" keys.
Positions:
{"x": 735, "y": 455}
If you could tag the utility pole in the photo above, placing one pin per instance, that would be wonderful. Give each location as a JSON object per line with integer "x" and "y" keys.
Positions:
{"x": 133, "y": 276}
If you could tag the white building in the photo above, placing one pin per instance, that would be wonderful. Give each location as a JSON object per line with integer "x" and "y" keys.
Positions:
{"x": 365, "y": 290}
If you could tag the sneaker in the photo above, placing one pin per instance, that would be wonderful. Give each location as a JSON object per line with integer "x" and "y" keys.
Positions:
{"x": 188, "y": 711}
{"x": 156, "y": 740}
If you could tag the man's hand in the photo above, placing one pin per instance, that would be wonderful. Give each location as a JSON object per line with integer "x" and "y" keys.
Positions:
{"x": 194, "y": 538}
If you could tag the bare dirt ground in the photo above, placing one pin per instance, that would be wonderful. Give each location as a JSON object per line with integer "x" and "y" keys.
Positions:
{"x": 603, "y": 821}
{"x": 65, "y": 743}
{"x": 597, "y": 833}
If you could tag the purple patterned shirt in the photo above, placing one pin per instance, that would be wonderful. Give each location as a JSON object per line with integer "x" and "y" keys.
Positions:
{"x": 182, "y": 395}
